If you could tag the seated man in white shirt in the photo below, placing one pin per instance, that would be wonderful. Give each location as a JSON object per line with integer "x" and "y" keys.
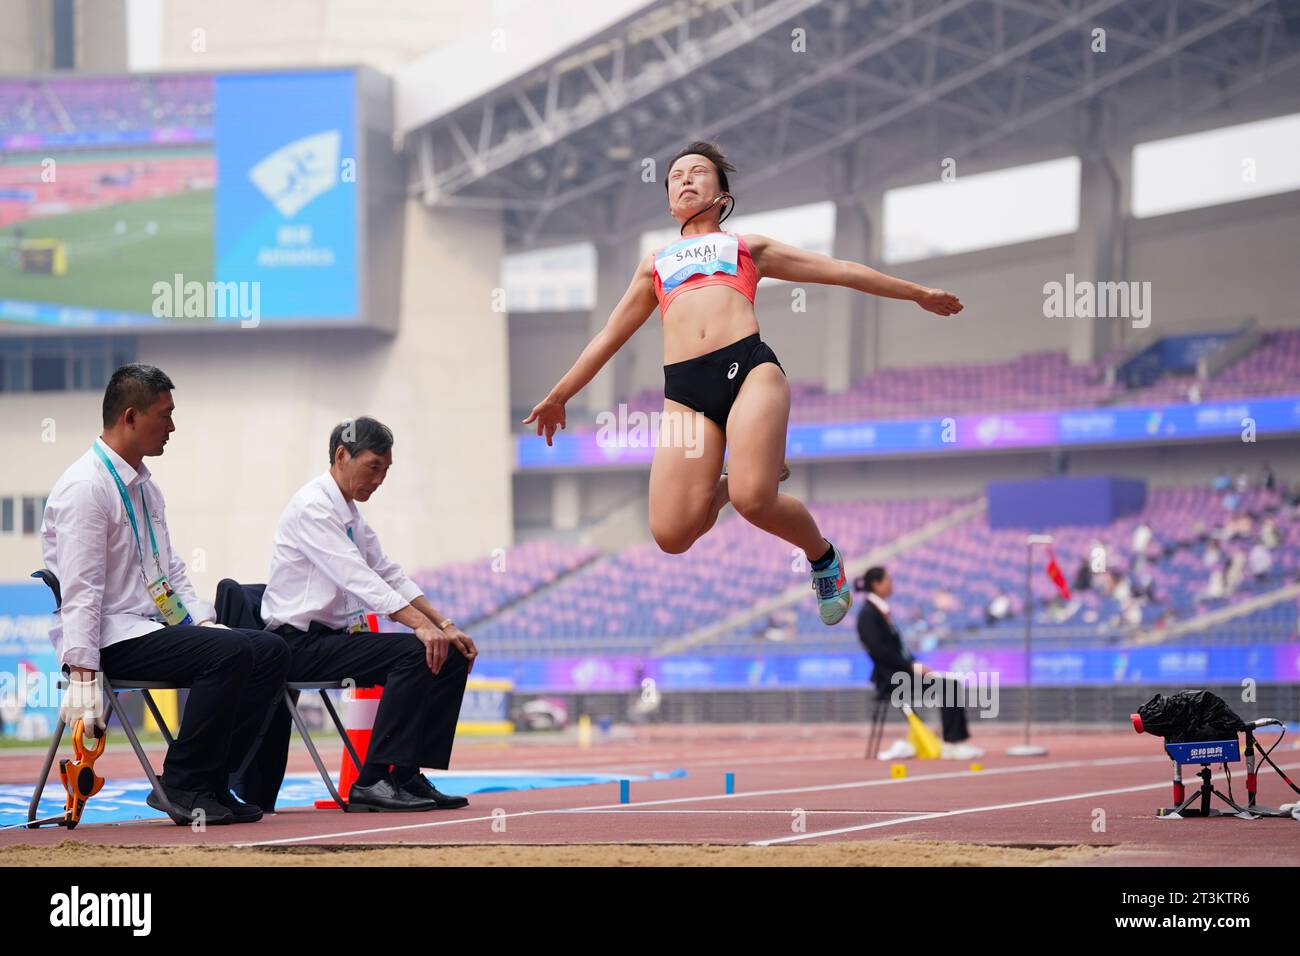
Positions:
{"x": 129, "y": 608}
{"x": 327, "y": 571}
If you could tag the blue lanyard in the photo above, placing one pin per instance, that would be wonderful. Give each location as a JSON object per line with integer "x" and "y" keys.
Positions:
{"x": 130, "y": 512}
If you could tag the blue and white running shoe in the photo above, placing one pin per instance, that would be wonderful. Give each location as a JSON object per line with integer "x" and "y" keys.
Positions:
{"x": 834, "y": 598}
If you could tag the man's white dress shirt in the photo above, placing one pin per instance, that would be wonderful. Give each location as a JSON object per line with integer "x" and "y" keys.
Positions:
{"x": 327, "y": 564}
{"x": 87, "y": 541}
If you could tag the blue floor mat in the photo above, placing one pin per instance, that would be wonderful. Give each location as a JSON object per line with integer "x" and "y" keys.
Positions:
{"x": 123, "y": 800}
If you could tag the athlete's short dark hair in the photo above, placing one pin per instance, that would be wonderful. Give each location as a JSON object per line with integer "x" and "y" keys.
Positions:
{"x": 710, "y": 152}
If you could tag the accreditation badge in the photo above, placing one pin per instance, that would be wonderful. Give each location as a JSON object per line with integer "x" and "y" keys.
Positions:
{"x": 169, "y": 603}
{"x": 357, "y": 623}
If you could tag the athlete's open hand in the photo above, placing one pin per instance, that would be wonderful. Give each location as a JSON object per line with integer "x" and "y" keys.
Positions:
{"x": 548, "y": 414}
{"x": 939, "y": 302}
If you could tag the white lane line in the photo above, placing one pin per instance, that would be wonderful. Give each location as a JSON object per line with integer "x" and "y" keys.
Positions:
{"x": 744, "y": 812}
{"x": 968, "y": 810}
{"x": 950, "y": 813}
{"x": 825, "y": 788}
{"x": 393, "y": 829}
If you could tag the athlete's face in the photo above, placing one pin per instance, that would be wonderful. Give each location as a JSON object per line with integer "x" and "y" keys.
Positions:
{"x": 692, "y": 184}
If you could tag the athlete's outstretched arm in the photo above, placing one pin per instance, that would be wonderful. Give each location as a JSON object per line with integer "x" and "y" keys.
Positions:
{"x": 780, "y": 261}
{"x": 628, "y": 316}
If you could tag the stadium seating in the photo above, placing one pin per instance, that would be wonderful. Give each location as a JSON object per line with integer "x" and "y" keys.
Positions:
{"x": 473, "y": 590}
{"x": 632, "y": 601}
{"x": 114, "y": 104}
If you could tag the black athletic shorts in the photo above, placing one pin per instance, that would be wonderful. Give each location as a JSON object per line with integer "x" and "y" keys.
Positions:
{"x": 709, "y": 383}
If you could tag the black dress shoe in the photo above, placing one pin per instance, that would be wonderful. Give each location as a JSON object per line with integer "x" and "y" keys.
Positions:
{"x": 243, "y": 812}
{"x": 386, "y": 796}
{"x": 191, "y": 805}
{"x": 420, "y": 786}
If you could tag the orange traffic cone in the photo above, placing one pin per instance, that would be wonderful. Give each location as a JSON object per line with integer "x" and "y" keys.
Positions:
{"x": 358, "y": 721}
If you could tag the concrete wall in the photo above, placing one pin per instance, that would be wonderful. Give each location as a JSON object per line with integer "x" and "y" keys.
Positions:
{"x": 100, "y": 36}
{"x": 26, "y": 43}
{"x": 199, "y": 34}
{"x": 542, "y": 347}
{"x": 1229, "y": 261}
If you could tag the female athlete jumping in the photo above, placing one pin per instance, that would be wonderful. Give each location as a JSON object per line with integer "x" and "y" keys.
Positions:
{"x": 718, "y": 369}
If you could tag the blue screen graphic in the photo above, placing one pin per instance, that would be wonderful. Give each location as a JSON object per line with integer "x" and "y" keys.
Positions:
{"x": 286, "y": 205}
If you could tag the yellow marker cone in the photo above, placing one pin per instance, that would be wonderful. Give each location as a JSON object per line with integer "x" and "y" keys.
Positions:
{"x": 976, "y": 767}
{"x": 897, "y": 771}
{"x": 922, "y": 737}
{"x": 584, "y": 732}
{"x": 169, "y": 706}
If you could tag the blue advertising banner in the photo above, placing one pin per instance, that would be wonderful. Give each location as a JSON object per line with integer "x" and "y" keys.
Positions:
{"x": 1084, "y": 666}
{"x": 29, "y": 696}
{"x": 1083, "y": 426}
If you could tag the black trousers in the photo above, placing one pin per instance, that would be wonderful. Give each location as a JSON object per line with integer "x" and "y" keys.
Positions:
{"x": 234, "y": 676}
{"x": 415, "y": 724}
{"x": 954, "y": 724}
{"x": 953, "y": 719}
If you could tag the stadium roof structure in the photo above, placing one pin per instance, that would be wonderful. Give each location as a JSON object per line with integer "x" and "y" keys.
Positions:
{"x": 812, "y": 98}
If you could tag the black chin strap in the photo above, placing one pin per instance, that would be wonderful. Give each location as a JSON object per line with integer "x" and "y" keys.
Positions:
{"x": 730, "y": 204}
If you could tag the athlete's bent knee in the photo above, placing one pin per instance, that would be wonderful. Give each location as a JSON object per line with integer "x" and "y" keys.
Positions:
{"x": 750, "y": 504}
{"x": 673, "y": 542}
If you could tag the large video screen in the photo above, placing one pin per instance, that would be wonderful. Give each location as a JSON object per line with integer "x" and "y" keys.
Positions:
{"x": 181, "y": 200}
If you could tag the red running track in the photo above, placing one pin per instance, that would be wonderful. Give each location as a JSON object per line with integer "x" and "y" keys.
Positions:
{"x": 815, "y": 775}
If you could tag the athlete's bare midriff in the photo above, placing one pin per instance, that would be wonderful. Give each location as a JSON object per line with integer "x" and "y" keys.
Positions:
{"x": 705, "y": 319}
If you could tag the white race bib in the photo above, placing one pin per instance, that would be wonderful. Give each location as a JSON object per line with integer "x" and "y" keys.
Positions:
{"x": 697, "y": 255}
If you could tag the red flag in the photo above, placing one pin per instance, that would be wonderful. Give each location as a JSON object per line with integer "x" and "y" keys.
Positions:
{"x": 1058, "y": 578}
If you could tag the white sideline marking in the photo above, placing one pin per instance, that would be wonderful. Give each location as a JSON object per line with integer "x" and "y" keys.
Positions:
{"x": 742, "y": 812}
{"x": 956, "y": 813}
